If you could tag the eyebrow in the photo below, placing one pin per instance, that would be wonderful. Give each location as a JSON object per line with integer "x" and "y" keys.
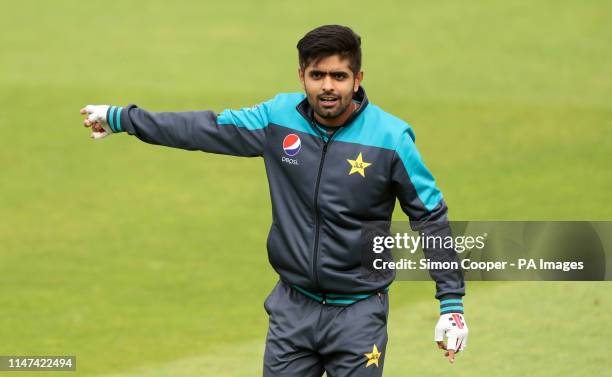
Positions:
{"x": 330, "y": 72}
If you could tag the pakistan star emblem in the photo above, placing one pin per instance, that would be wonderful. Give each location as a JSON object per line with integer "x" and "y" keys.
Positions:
{"x": 358, "y": 165}
{"x": 373, "y": 357}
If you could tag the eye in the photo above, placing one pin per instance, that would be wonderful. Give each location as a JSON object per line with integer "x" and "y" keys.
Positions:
{"x": 339, "y": 76}
{"x": 315, "y": 75}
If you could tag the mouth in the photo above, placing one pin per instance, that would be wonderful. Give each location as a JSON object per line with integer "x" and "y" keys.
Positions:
{"x": 328, "y": 101}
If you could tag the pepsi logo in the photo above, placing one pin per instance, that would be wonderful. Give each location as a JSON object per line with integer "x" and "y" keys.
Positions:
{"x": 292, "y": 145}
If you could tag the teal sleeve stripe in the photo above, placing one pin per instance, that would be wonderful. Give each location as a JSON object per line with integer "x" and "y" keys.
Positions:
{"x": 111, "y": 118}
{"x": 118, "y": 122}
{"x": 452, "y": 309}
{"x": 453, "y": 301}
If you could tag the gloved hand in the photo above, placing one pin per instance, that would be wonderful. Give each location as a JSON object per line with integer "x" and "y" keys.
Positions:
{"x": 454, "y": 327}
{"x": 96, "y": 119}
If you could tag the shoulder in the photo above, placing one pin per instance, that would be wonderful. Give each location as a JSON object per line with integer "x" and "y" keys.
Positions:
{"x": 282, "y": 109}
{"x": 378, "y": 128}
{"x": 284, "y": 101}
{"x": 388, "y": 124}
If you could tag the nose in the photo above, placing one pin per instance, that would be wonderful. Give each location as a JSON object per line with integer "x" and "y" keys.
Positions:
{"x": 328, "y": 84}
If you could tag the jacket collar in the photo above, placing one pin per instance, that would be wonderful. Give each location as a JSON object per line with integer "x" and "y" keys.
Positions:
{"x": 360, "y": 97}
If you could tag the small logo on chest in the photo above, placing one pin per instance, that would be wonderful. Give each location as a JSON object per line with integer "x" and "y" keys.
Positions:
{"x": 292, "y": 145}
{"x": 358, "y": 165}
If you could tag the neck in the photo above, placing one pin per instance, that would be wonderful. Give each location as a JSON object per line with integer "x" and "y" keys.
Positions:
{"x": 340, "y": 119}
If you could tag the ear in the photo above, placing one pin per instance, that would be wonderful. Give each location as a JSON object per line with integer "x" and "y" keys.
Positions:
{"x": 358, "y": 79}
{"x": 301, "y": 76}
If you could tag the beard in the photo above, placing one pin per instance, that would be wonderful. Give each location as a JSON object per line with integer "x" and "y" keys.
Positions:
{"x": 330, "y": 109}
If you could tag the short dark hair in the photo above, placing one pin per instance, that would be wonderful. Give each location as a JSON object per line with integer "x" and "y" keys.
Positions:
{"x": 328, "y": 40}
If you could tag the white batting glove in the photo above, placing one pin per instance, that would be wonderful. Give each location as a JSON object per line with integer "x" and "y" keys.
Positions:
{"x": 96, "y": 119}
{"x": 454, "y": 327}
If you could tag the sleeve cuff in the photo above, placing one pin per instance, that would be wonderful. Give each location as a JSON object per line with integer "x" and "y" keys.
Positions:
{"x": 113, "y": 118}
{"x": 451, "y": 305}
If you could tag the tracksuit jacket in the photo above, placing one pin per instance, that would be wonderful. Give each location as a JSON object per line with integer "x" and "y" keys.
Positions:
{"x": 324, "y": 189}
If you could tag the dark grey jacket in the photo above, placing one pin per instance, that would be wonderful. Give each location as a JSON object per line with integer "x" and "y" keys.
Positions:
{"x": 324, "y": 190}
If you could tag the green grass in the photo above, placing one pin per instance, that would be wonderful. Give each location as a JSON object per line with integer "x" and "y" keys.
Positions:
{"x": 138, "y": 258}
{"x": 508, "y": 321}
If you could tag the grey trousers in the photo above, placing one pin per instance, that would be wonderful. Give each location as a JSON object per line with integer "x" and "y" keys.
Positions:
{"x": 307, "y": 338}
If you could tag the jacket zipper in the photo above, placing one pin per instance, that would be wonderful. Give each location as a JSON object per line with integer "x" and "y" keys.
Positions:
{"x": 317, "y": 220}
{"x": 326, "y": 144}
{"x": 315, "y": 256}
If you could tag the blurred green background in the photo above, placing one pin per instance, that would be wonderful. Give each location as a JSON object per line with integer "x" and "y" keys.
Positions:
{"x": 148, "y": 261}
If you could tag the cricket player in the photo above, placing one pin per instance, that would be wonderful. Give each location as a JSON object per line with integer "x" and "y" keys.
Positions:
{"x": 334, "y": 162}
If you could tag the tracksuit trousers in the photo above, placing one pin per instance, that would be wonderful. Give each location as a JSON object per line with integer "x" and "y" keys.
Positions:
{"x": 307, "y": 337}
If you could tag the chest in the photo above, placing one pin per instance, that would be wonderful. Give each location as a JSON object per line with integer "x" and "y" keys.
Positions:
{"x": 345, "y": 175}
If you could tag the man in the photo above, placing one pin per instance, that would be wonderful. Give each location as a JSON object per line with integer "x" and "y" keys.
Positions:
{"x": 335, "y": 163}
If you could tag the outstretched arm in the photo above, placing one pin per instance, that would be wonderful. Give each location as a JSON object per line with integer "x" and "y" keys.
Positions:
{"x": 233, "y": 132}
